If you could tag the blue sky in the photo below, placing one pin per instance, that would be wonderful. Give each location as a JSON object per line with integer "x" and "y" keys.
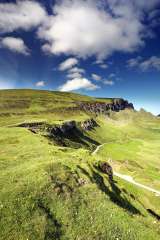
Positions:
{"x": 105, "y": 49}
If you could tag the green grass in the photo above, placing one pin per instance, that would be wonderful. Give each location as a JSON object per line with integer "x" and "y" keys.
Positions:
{"x": 54, "y": 192}
{"x": 26, "y": 105}
{"x": 134, "y": 145}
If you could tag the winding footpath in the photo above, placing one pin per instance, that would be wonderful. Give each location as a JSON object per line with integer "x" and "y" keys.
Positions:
{"x": 129, "y": 178}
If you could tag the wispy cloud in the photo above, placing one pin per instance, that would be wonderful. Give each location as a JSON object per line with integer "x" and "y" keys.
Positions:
{"x": 76, "y": 70}
{"x": 108, "y": 82}
{"x": 74, "y": 75}
{"x": 68, "y": 63}
{"x": 103, "y": 65}
{"x": 112, "y": 75}
{"x": 96, "y": 77}
{"x": 15, "y": 45}
{"x": 151, "y": 63}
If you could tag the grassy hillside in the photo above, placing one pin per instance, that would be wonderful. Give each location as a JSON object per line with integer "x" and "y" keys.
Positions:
{"x": 50, "y": 191}
{"x": 26, "y": 105}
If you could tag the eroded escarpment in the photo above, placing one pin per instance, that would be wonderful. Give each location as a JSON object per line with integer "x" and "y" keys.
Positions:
{"x": 73, "y": 134}
{"x": 103, "y": 107}
{"x": 68, "y": 134}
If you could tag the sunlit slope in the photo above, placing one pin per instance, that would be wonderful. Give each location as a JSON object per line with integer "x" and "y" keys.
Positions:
{"x": 26, "y": 105}
{"x": 55, "y": 191}
{"x": 50, "y": 192}
{"x": 132, "y": 143}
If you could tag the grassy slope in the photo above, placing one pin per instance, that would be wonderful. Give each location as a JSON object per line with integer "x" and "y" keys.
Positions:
{"x": 42, "y": 198}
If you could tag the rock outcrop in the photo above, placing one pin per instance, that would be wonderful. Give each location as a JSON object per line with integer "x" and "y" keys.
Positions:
{"x": 103, "y": 108}
{"x": 106, "y": 168}
{"x": 63, "y": 129}
{"x": 31, "y": 124}
{"x": 89, "y": 124}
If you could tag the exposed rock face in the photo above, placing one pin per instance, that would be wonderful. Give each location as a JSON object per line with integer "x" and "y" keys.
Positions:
{"x": 103, "y": 108}
{"x": 63, "y": 129}
{"x": 31, "y": 124}
{"x": 34, "y": 127}
{"x": 89, "y": 124}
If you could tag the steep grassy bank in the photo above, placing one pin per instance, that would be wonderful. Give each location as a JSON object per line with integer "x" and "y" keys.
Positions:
{"x": 51, "y": 191}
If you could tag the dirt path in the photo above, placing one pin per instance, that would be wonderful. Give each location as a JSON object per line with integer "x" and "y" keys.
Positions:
{"x": 129, "y": 178}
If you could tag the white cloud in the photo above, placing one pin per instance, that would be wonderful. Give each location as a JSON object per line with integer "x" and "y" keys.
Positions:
{"x": 101, "y": 63}
{"x": 104, "y": 66}
{"x": 86, "y": 28}
{"x": 14, "y": 44}
{"x": 133, "y": 62}
{"x": 109, "y": 82}
{"x": 74, "y": 75}
{"x": 151, "y": 63}
{"x": 76, "y": 70}
{"x": 145, "y": 64}
{"x": 96, "y": 77}
{"x": 78, "y": 83}
{"x": 40, "y": 84}
{"x": 20, "y": 15}
{"x": 67, "y": 64}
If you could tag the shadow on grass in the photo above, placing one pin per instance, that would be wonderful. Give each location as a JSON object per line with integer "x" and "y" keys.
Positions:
{"x": 113, "y": 191}
{"x": 73, "y": 136}
{"x": 53, "y": 229}
{"x": 76, "y": 135}
{"x": 154, "y": 214}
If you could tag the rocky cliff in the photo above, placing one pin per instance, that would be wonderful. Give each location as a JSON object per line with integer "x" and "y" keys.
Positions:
{"x": 89, "y": 124}
{"x": 103, "y": 107}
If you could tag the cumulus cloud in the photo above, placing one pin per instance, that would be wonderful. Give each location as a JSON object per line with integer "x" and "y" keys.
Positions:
{"x": 78, "y": 83}
{"x": 86, "y": 28}
{"x": 20, "y": 15}
{"x": 96, "y": 77}
{"x": 67, "y": 64}
{"x": 145, "y": 64}
{"x": 15, "y": 44}
{"x": 109, "y": 82}
{"x": 40, "y": 84}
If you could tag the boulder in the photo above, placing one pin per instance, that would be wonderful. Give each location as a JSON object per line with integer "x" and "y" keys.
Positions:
{"x": 106, "y": 168}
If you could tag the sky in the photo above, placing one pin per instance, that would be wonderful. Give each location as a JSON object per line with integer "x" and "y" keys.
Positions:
{"x": 105, "y": 48}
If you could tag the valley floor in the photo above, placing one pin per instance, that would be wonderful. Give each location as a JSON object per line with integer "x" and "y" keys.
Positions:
{"x": 129, "y": 178}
